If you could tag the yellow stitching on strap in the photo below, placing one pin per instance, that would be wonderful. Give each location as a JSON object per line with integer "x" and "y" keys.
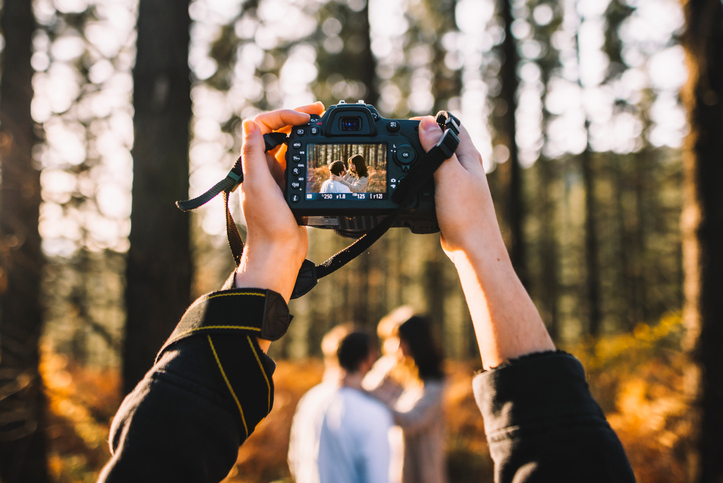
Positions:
{"x": 237, "y": 327}
{"x": 224, "y": 295}
{"x": 268, "y": 404}
{"x": 199, "y": 329}
{"x": 240, "y": 409}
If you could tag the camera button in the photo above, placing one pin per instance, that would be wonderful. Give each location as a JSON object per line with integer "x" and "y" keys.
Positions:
{"x": 300, "y": 131}
{"x": 405, "y": 154}
{"x": 296, "y": 171}
{"x": 296, "y": 185}
{"x": 314, "y": 130}
{"x": 296, "y": 145}
{"x": 295, "y": 198}
{"x": 393, "y": 126}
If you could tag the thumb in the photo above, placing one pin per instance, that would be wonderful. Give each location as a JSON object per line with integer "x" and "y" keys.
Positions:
{"x": 429, "y": 132}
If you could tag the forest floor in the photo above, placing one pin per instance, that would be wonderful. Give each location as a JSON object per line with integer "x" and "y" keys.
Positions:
{"x": 637, "y": 378}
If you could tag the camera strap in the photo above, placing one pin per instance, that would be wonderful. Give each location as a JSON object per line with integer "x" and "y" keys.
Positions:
{"x": 310, "y": 273}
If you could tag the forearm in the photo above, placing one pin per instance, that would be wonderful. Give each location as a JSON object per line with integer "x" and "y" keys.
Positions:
{"x": 506, "y": 322}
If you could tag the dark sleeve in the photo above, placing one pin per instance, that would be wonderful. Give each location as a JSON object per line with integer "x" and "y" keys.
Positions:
{"x": 542, "y": 423}
{"x": 209, "y": 389}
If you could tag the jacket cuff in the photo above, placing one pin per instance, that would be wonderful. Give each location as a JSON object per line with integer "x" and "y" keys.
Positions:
{"x": 532, "y": 393}
{"x": 245, "y": 311}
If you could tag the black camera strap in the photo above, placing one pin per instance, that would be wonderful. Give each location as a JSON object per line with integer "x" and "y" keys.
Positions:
{"x": 309, "y": 274}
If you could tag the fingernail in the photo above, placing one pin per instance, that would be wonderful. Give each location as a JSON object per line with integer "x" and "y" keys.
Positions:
{"x": 249, "y": 127}
{"x": 428, "y": 124}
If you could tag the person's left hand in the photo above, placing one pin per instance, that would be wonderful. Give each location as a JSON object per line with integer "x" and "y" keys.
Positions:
{"x": 275, "y": 245}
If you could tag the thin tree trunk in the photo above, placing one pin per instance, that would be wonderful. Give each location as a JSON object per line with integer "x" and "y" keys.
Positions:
{"x": 592, "y": 265}
{"x": 22, "y": 422}
{"x": 435, "y": 283}
{"x": 366, "y": 73}
{"x": 514, "y": 204}
{"x": 159, "y": 262}
{"x": 702, "y": 224}
{"x": 626, "y": 294}
{"x": 548, "y": 249}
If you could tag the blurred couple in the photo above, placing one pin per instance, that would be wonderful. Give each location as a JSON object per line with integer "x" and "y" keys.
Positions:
{"x": 340, "y": 180}
{"x": 374, "y": 419}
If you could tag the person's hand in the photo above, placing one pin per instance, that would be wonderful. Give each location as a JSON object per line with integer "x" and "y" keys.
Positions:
{"x": 275, "y": 245}
{"x": 465, "y": 211}
{"x": 506, "y": 321}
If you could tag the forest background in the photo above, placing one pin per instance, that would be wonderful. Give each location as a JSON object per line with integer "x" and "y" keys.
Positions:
{"x": 600, "y": 123}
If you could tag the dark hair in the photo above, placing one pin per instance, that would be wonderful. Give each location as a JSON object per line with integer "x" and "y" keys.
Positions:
{"x": 336, "y": 167}
{"x": 417, "y": 333}
{"x": 353, "y": 349}
{"x": 361, "y": 167}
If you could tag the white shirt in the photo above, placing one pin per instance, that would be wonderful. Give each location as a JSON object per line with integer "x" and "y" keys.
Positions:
{"x": 354, "y": 444}
{"x": 305, "y": 431}
{"x": 334, "y": 186}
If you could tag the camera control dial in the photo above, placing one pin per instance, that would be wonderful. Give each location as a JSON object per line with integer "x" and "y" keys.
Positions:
{"x": 405, "y": 154}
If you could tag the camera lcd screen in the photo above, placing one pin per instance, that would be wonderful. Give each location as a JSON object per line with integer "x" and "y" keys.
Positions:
{"x": 346, "y": 172}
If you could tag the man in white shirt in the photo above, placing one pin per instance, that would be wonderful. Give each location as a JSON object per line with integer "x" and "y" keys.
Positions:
{"x": 334, "y": 183}
{"x": 309, "y": 415}
{"x": 356, "y": 440}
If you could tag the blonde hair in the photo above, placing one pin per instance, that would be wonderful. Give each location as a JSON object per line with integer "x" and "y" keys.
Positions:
{"x": 389, "y": 324}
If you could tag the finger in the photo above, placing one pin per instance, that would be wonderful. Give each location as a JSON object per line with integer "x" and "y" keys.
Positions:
{"x": 254, "y": 162}
{"x": 466, "y": 152}
{"x": 277, "y": 165}
{"x": 430, "y": 133}
{"x": 271, "y": 121}
{"x": 315, "y": 108}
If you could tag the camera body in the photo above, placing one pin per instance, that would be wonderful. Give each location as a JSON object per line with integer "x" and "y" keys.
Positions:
{"x": 376, "y": 153}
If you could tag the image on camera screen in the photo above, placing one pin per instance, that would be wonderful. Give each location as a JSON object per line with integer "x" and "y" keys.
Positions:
{"x": 346, "y": 171}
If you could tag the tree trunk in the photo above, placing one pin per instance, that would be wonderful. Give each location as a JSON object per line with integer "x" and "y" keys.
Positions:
{"x": 22, "y": 422}
{"x": 508, "y": 128}
{"x": 549, "y": 284}
{"x": 159, "y": 263}
{"x": 447, "y": 83}
{"x": 702, "y": 224}
{"x": 592, "y": 265}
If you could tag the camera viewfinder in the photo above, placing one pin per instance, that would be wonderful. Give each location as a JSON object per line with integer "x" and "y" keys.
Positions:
{"x": 348, "y": 124}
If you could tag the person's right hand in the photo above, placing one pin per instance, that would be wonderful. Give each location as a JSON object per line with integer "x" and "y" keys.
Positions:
{"x": 275, "y": 245}
{"x": 465, "y": 211}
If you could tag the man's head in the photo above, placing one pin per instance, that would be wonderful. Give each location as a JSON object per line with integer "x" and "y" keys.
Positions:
{"x": 332, "y": 339}
{"x": 357, "y": 352}
{"x": 337, "y": 168}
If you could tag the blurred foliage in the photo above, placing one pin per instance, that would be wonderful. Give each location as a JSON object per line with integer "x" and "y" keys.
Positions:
{"x": 637, "y": 378}
{"x": 81, "y": 405}
{"x": 635, "y": 367}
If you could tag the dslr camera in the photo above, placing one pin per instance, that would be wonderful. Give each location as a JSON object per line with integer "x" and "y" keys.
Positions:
{"x": 343, "y": 167}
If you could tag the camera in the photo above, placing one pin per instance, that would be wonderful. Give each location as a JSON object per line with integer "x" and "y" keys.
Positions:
{"x": 343, "y": 167}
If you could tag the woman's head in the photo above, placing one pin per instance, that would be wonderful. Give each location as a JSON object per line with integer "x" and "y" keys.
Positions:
{"x": 415, "y": 337}
{"x": 360, "y": 167}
